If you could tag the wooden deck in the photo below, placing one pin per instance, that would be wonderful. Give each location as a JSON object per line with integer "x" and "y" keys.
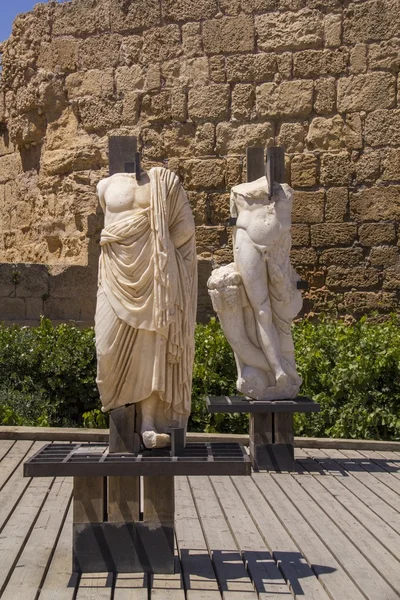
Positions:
{"x": 331, "y": 531}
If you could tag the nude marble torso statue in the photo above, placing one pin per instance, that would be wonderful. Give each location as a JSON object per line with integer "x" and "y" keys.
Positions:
{"x": 256, "y": 297}
{"x": 146, "y": 302}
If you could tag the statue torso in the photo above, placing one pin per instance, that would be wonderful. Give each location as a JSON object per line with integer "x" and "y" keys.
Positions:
{"x": 123, "y": 196}
{"x": 264, "y": 219}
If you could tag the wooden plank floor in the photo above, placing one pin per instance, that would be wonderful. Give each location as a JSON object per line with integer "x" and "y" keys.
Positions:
{"x": 329, "y": 531}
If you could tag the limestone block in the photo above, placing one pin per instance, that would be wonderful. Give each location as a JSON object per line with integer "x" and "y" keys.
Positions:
{"x": 384, "y": 56}
{"x": 153, "y": 77}
{"x": 209, "y": 102}
{"x": 2, "y": 107}
{"x": 342, "y": 257}
{"x": 77, "y": 19}
{"x": 291, "y": 137}
{"x": 130, "y": 79}
{"x": 100, "y": 51}
{"x": 73, "y": 282}
{"x": 129, "y": 51}
{"x": 325, "y": 96}
{"x": 374, "y": 20}
{"x": 300, "y": 235}
{"x": 303, "y": 256}
{"x": 228, "y": 34}
{"x": 95, "y": 82}
{"x": 134, "y": 16}
{"x": 6, "y": 147}
{"x": 382, "y": 128}
{"x": 12, "y": 309}
{"x": 233, "y": 171}
{"x": 130, "y": 108}
{"x": 251, "y": 67}
{"x": 204, "y": 140}
{"x": 372, "y": 234}
{"x": 361, "y": 303}
{"x": 191, "y": 39}
{"x": 191, "y": 72}
{"x": 304, "y": 170}
{"x": 367, "y": 167}
{"x": 335, "y": 133}
{"x": 358, "y": 59}
{"x": 332, "y": 30}
{"x": 10, "y": 166}
{"x": 157, "y": 107}
{"x": 99, "y": 115}
{"x": 336, "y": 169}
{"x": 33, "y": 308}
{"x": 255, "y": 6}
{"x": 207, "y": 173}
{"x": 290, "y": 98}
{"x": 29, "y": 128}
{"x": 284, "y": 63}
{"x": 317, "y": 63}
{"x": 8, "y": 275}
{"x": 198, "y": 204}
{"x": 152, "y": 143}
{"x": 80, "y": 158}
{"x": 337, "y": 203}
{"x": 289, "y": 31}
{"x": 58, "y": 55}
{"x": 230, "y": 7}
{"x": 377, "y": 203}
{"x": 178, "y": 105}
{"x": 218, "y": 208}
{"x": 187, "y": 10}
{"x": 33, "y": 281}
{"x": 384, "y": 256}
{"x": 217, "y": 69}
{"x": 243, "y": 101}
{"x": 209, "y": 239}
{"x": 161, "y": 43}
{"x": 308, "y": 207}
{"x": 332, "y": 234}
{"x": 356, "y": 277}
{"x": 391, "y": 164}
{"x": 368, "y": 92}
{"x": 234, "y": 138}
{"x": 179, "y": 139}
{"x": 391, "y": 281}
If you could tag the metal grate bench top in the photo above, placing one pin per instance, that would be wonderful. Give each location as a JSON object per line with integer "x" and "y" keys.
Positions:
{"x": 93, "y": 460}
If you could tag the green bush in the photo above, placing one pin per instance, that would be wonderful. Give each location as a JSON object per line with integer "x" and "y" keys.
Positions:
{"x": 47, "y": 377}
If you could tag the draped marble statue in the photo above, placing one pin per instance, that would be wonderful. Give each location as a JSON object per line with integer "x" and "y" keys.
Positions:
{"x": 256, "y": 296}
{"x": 146, "y": 302}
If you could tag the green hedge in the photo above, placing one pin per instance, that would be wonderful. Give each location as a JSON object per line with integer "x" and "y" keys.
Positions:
{"x": 47, "y": 377}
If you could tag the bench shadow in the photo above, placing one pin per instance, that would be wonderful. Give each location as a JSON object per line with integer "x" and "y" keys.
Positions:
{"x": 232, "y": 570}
{"x": 348, "y": 465}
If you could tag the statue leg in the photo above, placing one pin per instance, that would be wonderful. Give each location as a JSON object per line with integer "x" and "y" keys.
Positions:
{"x": 152, "y": 439}
{"x": 253, "y": 271}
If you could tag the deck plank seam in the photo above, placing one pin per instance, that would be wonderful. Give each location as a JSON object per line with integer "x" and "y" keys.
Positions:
{"x": 351, "y": 474}
{"x": 326, "y": 543}
{"x": 350, "y": 538}
{"x": 26, "y": 538}
{"x": 16, "y": 466}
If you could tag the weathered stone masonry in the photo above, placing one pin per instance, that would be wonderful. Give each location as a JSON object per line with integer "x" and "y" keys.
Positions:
{"x": 197, "y": 81}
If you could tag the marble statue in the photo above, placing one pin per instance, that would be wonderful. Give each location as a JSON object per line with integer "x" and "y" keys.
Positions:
{"x": 256, "y": 296}
{"x": 146, "y": 302}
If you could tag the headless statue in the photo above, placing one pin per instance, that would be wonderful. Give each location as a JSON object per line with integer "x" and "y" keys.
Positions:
{"x": 256, "y": 297}
{"x": 146, "y": 301}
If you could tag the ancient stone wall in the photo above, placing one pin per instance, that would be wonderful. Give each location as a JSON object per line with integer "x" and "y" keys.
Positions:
{"x": 197, "y": 81}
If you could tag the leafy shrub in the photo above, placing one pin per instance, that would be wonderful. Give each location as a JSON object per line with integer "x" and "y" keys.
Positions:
{"x": 47, "y": 377}
{"x": 54, "y": 365}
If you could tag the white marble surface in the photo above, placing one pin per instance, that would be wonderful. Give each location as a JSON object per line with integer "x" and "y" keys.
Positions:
{"x": 146, "y": 303}
{"x": 256, "y": 296}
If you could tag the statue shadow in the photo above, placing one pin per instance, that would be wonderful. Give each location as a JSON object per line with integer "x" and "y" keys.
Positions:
{"x": 233, "y": 570}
